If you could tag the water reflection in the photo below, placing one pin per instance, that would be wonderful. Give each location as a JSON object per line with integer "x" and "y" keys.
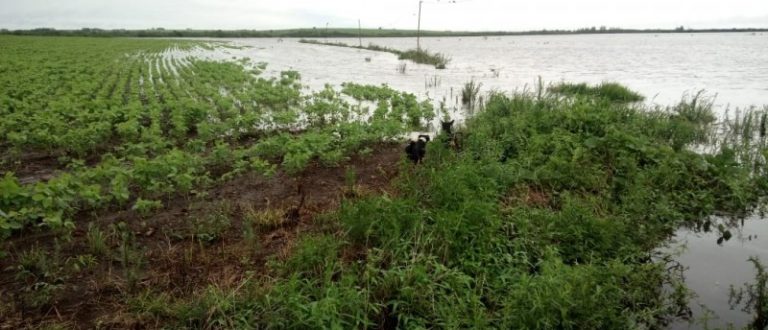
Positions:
{"x": 714, "y": 262}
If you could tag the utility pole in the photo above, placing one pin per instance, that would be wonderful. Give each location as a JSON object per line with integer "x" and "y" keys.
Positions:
{"x": 418, "y": 29}
{"x": 359, "y": 33}
{"x": 326, "y": 31}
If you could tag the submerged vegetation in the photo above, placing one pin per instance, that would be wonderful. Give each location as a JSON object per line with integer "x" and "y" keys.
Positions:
{"x": 607, "y": 90}
{"x": 421, "y": 56}
{"x": 753, "y": 296}
{"x": 178, "y": 192}
{"x": 469, "y": 93}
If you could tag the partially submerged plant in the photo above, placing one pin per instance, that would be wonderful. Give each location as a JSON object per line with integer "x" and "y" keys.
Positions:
{"x": 469, "y": 93}
{"x": 753, "y": 296}
{"x": 401, "y": 67}
{"x": 608, "y": 90}
{"x": 423, "y": 56}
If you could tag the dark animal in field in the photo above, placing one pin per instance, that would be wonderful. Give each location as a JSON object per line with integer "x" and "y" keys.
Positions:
{"x": 509, "y": 152}
{"x": 417, "y": 149}
{"x": 450, "y": 138}
{"x": 447, "y": 126}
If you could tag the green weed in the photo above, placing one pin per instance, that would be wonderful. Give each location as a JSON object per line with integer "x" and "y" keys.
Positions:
{"x": 97, "y": 240}
{"x": 607, "y": 90}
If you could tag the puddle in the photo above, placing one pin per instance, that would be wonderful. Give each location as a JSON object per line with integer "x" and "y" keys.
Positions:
{"x": 712, "y": 268}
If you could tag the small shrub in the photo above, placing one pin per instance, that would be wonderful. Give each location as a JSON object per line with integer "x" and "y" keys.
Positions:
{"x": 210, "y": 227}
{"x": 145, "y": 207}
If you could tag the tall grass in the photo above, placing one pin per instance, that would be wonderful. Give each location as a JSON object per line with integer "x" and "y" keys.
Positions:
{"x": 608, "y": 90}
{"x": 421, "y": 56}
{"x": 470, "y": 92}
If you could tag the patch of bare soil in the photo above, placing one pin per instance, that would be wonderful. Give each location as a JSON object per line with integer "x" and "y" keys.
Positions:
{"x": 189, "y": 245}
{"x": 32, "y": 167}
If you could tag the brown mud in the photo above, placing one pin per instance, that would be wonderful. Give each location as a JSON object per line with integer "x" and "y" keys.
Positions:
{"x": 165, "y": 253}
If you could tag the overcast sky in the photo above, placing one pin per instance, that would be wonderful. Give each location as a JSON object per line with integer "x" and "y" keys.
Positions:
{"x": 437, "y": 15}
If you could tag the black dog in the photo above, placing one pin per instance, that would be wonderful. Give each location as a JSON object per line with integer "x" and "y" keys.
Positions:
{"x": 447, "y": 127}
{"x": 450, "y": 138}
{"x": 417, "y": 149}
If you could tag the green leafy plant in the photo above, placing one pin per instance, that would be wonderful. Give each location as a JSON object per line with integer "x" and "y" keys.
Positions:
{"x": 607, "y": 90}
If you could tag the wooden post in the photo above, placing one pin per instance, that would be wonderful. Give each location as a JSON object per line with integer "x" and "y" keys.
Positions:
{"x": 418, "y": 29}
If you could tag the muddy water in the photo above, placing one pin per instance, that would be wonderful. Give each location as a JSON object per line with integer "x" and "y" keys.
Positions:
{"x": 713, "y": 268}
{"x": 733, "y": 68}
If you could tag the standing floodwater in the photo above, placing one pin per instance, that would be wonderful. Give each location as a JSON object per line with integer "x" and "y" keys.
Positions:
{"x": 663, "y": 67}
{"x": 732, "y": 67}
{"x": 712, "y": 268}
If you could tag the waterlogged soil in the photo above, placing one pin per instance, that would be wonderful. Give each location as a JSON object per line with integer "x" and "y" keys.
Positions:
{"x": 31, "y": 167}
{"x": 34, "y": 166}
{"x": 174, "y": 264}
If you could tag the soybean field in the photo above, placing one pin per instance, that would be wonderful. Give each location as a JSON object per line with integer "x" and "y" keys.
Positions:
{"x": 144, "y": 187}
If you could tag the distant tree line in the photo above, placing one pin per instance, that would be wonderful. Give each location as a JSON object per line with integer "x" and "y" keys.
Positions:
{"x": 338, "y": 32}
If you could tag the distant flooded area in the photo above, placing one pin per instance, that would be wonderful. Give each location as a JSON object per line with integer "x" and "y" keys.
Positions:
{"x": 732, "y": 67}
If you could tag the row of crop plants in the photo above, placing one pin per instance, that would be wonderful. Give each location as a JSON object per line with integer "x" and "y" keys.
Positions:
{"x": 132, "y": 126}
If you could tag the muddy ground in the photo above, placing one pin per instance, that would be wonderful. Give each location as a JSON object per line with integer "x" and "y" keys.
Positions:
{"x": 171, "y": 250}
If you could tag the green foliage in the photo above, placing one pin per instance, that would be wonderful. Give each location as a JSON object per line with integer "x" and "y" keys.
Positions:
{"x": 469, "y": 93}
{"x": 368, "y": 92}
{"x": 145, "y": 207}
{"x": 97, "y": 240}
{"x": 423, "y": 56}
{"x": 544, "y": 220}
{"x": 211, "y": 227}
{"x": 44, "y": 272}
{"x": 608, "y": 90}
{"x": 163, "y": 127}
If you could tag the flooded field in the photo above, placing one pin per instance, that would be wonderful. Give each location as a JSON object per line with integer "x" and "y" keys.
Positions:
{"x": 731, "y": 68}
{"x": 712, "y": 268}
{"x": 146, "y": 188}
{"x": 663, "y": 67}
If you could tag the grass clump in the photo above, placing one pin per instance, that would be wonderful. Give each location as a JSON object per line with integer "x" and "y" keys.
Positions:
{"x": 613, "y": 92}
{"x": 423, "y": 56}
{"x": 263, "y": 219}
{"x": 470, "y": 93}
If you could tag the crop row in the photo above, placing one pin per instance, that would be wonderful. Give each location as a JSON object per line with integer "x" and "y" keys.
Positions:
{"x": 133, "y": 126}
